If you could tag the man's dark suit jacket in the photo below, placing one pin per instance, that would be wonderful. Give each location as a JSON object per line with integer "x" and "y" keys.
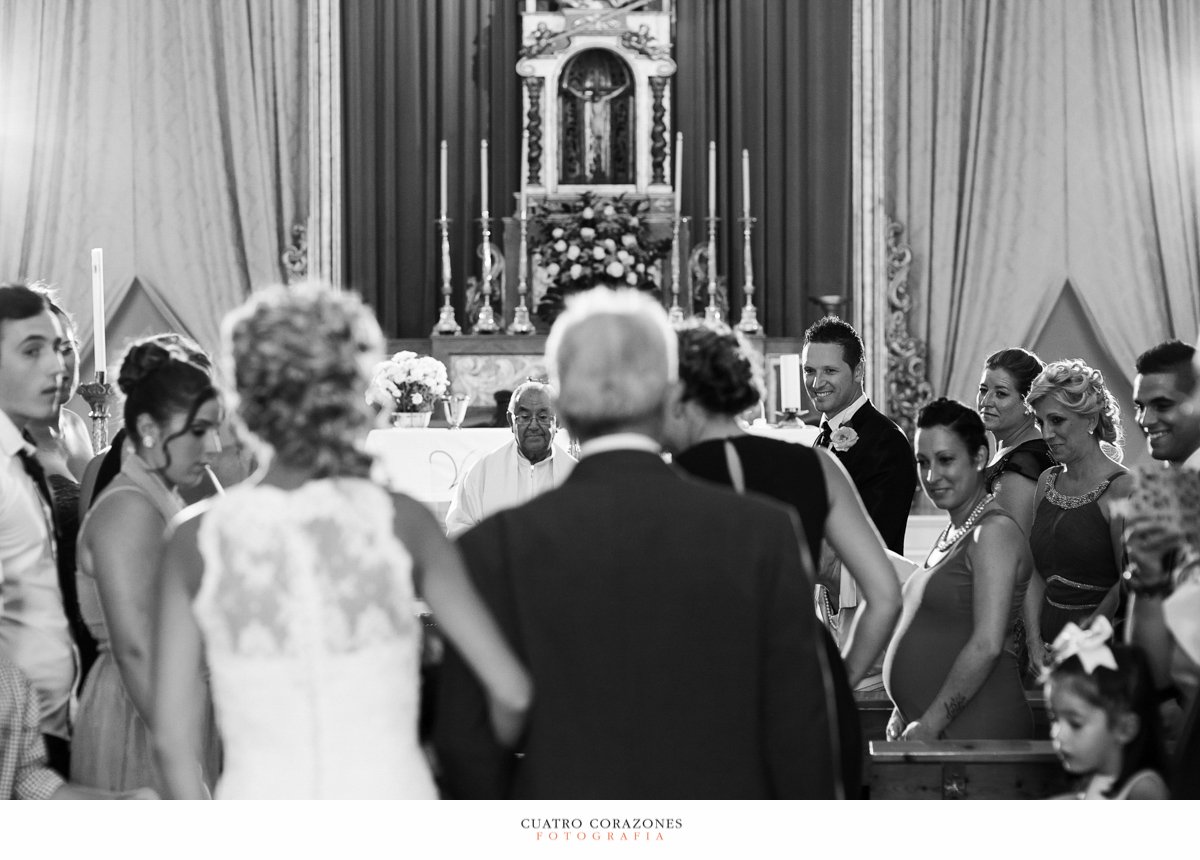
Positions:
{"x": 884, "y": 470}
{"x": 669, "y": 631}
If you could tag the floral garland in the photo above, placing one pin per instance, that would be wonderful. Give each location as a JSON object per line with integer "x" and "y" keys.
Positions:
{"x": 593, "y": 242}
{"x": 408, "y": 382}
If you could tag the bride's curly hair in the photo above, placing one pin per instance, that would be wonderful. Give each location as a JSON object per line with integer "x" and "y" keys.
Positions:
{"x": 300, "y": 357}
{"x": 1081, "y": 389}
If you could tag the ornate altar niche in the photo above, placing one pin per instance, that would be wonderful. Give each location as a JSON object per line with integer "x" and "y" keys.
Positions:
{"x": 596, "y": 104}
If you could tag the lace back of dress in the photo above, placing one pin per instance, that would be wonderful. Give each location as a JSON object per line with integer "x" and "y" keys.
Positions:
{"x": 315, "y": 570}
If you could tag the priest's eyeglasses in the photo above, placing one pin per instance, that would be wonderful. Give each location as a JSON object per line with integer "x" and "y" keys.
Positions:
{"x": 543, "y": 418}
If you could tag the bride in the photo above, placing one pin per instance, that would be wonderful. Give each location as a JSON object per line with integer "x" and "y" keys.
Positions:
{"x": 298, "y": 585}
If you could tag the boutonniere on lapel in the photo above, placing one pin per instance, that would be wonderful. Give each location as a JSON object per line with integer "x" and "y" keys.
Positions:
{"x": 843, "y": 439}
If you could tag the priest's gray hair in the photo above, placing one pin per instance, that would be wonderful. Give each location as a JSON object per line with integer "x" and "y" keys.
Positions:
{"x": 612, "y": 356}
{"x": 530, "y": 385}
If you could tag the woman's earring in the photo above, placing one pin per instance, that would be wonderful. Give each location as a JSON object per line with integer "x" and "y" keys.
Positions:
{"x": 147, "y": 441}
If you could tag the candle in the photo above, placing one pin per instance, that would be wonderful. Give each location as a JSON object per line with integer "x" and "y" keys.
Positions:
{"x": 483, "y": 177}
{"x": 746, "y": 183}
{"x": 712, "y": 179}
{"x": 483, "y": 198}
{"x": 99, "y": 355}
{"x": 524, "y": 172}
{"x": 678, "y": 174}
{"x": 442, "y": 195}
{"x": 789, "y": 382}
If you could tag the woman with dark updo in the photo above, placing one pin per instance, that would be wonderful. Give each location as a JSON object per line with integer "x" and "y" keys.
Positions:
{"x": 719, "y": 380}
{"x": 298, "y": 584}
{"x": 172, "y": 418}
{"x": 1021, "y": 453}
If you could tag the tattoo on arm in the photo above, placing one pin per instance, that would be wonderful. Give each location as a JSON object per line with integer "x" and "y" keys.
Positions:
{"x": 954, "y": 707}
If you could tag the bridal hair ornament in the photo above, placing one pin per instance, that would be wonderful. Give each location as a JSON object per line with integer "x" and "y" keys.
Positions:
{"x": 1090, "y": 646}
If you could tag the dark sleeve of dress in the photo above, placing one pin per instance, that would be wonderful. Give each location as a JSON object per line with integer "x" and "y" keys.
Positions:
{"x": 473, "y": 765}
{"x": 1028, "y": 463}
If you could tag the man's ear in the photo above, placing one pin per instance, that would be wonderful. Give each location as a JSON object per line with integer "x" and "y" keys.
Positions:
{"x": 860, "y": 371}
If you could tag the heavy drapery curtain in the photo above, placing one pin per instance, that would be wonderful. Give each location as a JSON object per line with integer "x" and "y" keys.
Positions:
{"x": 1034, "y": 145}
{"x": 172, "y": 134}
{"x": 771, "y": 77}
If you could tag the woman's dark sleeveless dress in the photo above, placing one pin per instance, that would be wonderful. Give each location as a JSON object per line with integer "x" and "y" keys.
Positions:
{"x": 791, "y": 473}
{"x": 935, "y": 624}
{"x": 1072, "y": 551}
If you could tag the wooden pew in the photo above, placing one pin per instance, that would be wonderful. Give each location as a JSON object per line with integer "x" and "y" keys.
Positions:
{"x": 964, "y": 770}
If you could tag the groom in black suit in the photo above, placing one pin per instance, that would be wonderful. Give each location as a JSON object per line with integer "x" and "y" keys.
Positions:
{"x": 870, "y": 445}
{"x": 873, "y": 449}
{"x": 667, "y": 623}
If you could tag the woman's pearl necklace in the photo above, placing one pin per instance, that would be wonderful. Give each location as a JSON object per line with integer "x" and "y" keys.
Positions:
{"x": 951, "y": 535}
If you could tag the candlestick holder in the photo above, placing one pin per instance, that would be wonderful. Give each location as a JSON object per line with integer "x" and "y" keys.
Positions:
{"x": 446, "y": 324}
{"x": 486, "y": 324}
{"x": 712, "y": 313}
{"x": 98, "y": 395}
{"x": 749, "y": 321}
{"x": 521, "y": 323}
{"x": 675, "y": 314}
{"x": 789, "y": 418}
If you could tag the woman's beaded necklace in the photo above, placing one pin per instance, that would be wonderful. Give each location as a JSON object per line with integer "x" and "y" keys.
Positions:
{"x": 951, "y": 535}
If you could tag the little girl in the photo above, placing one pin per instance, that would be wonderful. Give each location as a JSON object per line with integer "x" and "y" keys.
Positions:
{"x": 1104, "y": 715}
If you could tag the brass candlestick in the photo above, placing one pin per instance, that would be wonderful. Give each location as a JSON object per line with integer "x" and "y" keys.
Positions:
{"x": 675, "y": 314}
{"x": 712, "y": 313}
{"x": 521, "y": 323}
{"x": 98, "y": 394}
{"x": 446, "y": 323}
{"x": 486, "y": 324}
{"x": 749, "y": 322}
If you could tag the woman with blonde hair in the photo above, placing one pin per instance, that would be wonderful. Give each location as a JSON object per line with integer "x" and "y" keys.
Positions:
{"x": 298, "y": 584}
{"x": 1076, "y": 537}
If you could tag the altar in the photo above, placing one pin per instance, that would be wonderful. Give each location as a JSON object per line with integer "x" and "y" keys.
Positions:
{"x": 428, "y": 464}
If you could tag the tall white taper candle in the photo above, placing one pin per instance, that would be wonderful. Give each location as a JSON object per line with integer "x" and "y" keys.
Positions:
{"x": 99, "y": 354}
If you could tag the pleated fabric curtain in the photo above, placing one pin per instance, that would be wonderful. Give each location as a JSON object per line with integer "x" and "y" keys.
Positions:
{"x": 416, "y": 72}
{"x": 768, "y": 76}
{"x": 773, "y": 78}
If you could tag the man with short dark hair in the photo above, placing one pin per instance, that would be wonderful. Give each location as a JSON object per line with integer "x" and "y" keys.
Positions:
{"x": 1164, "y": 569}
{"x": 1164, "y": 381}
{"x": 666, "y": 622}
{"x": 34, "y": 632}
{"x": 527, "y": 465}
{"x": 873, "y": 449}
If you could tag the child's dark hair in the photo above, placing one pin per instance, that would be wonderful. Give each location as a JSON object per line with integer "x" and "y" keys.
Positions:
{"x": 1130, "y": 687}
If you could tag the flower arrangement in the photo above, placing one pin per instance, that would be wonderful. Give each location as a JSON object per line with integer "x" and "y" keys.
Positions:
{"x": 592, "y": 242}
{"x": 408, "y": 382}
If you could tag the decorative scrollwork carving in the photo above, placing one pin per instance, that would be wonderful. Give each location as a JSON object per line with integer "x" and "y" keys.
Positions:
{"x": 907, "y": 386}
{"x": 295, "y": 255}
{"x": 533, "y": 123}
{"x": 658, "y": 132}
{"x": 542, "y": 41}
{"x": 644, "y": 43}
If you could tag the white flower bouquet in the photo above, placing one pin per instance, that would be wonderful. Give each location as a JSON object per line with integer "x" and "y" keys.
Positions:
{"x": 408, "y": 382}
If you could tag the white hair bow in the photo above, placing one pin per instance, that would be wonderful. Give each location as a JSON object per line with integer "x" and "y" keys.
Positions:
{"x": 1090, "y": 645}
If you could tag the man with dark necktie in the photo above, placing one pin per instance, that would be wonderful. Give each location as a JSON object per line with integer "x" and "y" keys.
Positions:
{"x": 34, "y": 631}
{"x": 874, "y": 450}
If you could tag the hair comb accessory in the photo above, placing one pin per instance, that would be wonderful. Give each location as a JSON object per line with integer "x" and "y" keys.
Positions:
{"x": 1090, "y": 646}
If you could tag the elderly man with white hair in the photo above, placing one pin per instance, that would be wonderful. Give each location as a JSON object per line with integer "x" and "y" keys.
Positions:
{"x": 523, "y": 467}
{"x": 665, "y": 622}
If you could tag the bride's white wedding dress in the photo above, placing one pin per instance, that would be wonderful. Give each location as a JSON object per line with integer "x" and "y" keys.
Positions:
{"x": 306, "y": 606}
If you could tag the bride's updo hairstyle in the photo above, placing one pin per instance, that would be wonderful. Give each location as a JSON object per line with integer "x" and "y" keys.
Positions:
{"x": 162, "y": 376}
{"x": 718, "y": 369}
{"x": 1081, "y": 389}
{"x": 301, "y": 357}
